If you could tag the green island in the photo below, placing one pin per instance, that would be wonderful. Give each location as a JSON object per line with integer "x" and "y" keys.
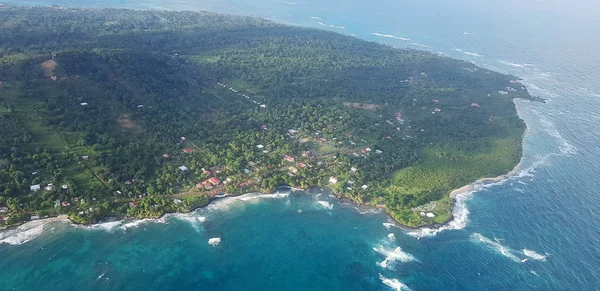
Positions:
{"x": 107, "y": 112}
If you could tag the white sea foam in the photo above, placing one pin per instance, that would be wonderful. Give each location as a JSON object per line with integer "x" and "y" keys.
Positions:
{"x": 194, "y": 220}
{"x": 325, "y": 204}
{"x": 316, "y": 18}
{"x": 389, "y": 225}
{"x": 27, "y": 232}
{"x": 511, "y": 64}
{"x": 460, "y": 214}
{"x": 393, "y": 283}
{"x": 391, "y": 236}
{"x": 495, "y": 245}
{"x": 107, "y": 226}
{"x": 226, "y": 203}
{"x": 534, "y": 255}
{"x": 137, "y": 223}
{"x": 392, "y": 255}
{"x": 472, "y": 54}
{"x": 369, "y": 210}
{"x": 419, "y": 44}
{"x": 215, "y": 241}
{"x": 330, "y": 25}
{"x": 534, "y": 273}
{"x": 390, "y": 36}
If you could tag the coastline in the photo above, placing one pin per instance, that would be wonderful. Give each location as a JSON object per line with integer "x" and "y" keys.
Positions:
{"x": 37, "y": 224}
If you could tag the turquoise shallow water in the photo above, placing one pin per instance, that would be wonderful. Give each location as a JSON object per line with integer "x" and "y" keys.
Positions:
{"x": 536, "y": 231}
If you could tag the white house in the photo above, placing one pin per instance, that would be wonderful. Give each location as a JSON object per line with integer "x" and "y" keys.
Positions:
{"x": 183, "y": 168}
{"x": 333, "y": 180}
{"x": 365, "y": 187}
{"x": 83, "y": 103}
{"x": 35, "y": 188}
{"x": 177, "y": 201}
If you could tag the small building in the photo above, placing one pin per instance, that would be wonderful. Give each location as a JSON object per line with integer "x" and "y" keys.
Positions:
{"x": 187, "y": 150}
{"x": 288, "y": 158}
{"x": 388, "y": 137}
{"x": 364, "y": 187}
{"x": 85, "y": 157}
{"x": 65, "y": 187}
{"x": 165, "y": 156}
{"x": 438, "y": 110}
{"x": 49, "y": 187}
{"x": 177, "y": 201}
{"x": 436, "y": 101}
{"x": 430, "y": 215}
{"x": 260, "y": 146}
{"x": 35, "y": 217}
{"x": 4, "y": 218}
{"x": 350, "y": 182}
{"x": 353, "y": 169}
{"x": 333, "y": 180}
{"x": 3, "y": 209}
{"x": 263, "y": 127}
{"x": 199, "y": 185}
{"x": 183, "y": 138}
{"x": 293, "y": 170}
{"x": 140, "y": 106}
{"x": 214, "y": 181}
{"x": 301, "y": 165}
{"x": 263, "y": 106}
{"x": 34, "y": 173}
{"x": 247, "y": 171}
{"x": 183, "y": 168}
{"x": 305, "y": 154}
{"x": 133, "y": 204}
{"x": 475, "y": 105}
{"x": 35, "y": 188}
{"x": 378, "y": 152}
{"x": 205, "y": 172}
{"x": 83, "y": 103}
{"x": 65, "y": 204}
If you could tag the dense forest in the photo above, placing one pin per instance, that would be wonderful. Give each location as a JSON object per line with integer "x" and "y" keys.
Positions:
{"x": 121, "y": 112}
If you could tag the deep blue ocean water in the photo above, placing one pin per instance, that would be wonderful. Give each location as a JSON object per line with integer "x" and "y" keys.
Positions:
{"x": 539, "y": 230}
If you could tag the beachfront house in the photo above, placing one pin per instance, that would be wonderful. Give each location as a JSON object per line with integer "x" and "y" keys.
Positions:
{"x": 333, "y": 180}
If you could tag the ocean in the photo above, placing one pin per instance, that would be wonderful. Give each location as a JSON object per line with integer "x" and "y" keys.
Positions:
{"x": 538, "y": 230}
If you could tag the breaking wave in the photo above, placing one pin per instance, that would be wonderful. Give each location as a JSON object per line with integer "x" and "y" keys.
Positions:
{"x": 496, "y": 245}
{"x": 330, "y": 25}
{"x": 534, "y": 255}
{"x": 391, "y": 236}
{"x": 392, "y": 255}
{"x": 325, "y": 204}
{"x": 393, "y": 283}
{"x": 390, "y": 36}
{"x": 27, "y": 232}
{"x": 215, "y": 241}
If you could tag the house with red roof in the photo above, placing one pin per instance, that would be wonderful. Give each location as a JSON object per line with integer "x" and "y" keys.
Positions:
{"x": 187, "y": 150}
{"x": 65, "y": 204}
{"x": 214, "y": 181}
{"x": 436, "y": 101}
{"x": 165, "y": 156}
{"x": 475, "y": 105}
{"x": 133, "y": 204}
{"x": 301, "y": 165}
{"x": 288, "y": 158}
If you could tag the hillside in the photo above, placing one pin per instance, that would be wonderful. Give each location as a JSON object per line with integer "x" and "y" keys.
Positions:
{"x": 121, "y": 112}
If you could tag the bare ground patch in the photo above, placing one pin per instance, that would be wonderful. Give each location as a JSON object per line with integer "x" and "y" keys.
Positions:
{"x": 125, "y": 121}
{"x": 49, "y": 66}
